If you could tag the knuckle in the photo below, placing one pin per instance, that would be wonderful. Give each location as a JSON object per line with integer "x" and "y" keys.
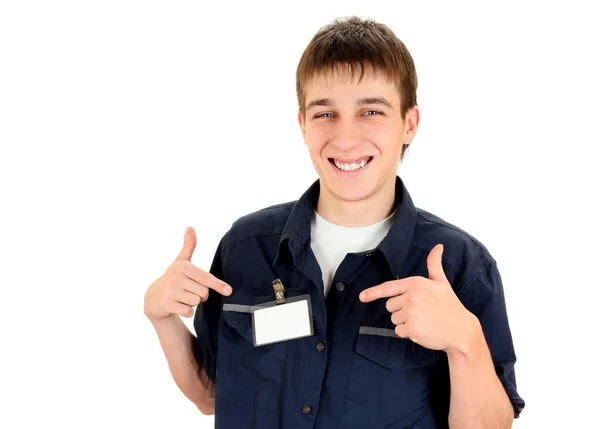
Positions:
{"x": 184, "y": 268}
{"x": 177, "y": 267}
{"x": 172, "y": 281}
{"x": 168, "y": 309}
{"x": 196, "y": 300}
{"x": 169, "y": 289}
{"x": 168, "y": 296}
{"x": 204, "y": 293}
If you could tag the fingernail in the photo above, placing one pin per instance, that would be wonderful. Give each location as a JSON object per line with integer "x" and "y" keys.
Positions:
{"x": 227, "y": 289}
{"x": 362, "y": 296}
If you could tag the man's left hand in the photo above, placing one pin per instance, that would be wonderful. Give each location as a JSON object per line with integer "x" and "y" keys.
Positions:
{"x": 426, "y": 310}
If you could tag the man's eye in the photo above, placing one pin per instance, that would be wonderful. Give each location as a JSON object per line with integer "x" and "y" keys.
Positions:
{"x": 372, "y": 112}
{"x": 324, "y": 115}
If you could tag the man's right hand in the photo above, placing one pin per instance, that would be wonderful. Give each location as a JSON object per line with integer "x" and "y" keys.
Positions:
{"x": 183, "y": 286}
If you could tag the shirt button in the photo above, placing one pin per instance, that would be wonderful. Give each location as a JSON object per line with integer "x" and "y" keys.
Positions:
{"x": 320, "y": 347}
{"x": 340, "y": 286}
{"x": 306, "y": 409}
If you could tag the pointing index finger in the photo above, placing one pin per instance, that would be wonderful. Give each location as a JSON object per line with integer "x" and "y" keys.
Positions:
{"x": 384, "y": 290}
{"x": 207, "y": 279}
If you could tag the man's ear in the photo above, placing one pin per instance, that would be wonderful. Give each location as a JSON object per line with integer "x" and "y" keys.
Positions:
{"x": 413, "y": 117}
{"x": 302, "y": 124}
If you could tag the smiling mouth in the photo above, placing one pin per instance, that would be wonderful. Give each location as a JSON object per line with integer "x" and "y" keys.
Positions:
{"x": 354, "y": 165}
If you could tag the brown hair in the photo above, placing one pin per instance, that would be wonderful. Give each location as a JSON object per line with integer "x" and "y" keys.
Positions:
{"x": 359, "y": 43}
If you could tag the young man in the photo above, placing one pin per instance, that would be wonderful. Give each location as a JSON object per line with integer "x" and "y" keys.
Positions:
{"x": 409, "y": 325}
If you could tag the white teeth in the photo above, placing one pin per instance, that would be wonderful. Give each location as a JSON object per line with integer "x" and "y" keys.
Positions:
{"x": 350, "y": 167}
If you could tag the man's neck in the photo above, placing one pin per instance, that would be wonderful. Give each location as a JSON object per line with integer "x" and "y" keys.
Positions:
{"x": 368, "y": 211}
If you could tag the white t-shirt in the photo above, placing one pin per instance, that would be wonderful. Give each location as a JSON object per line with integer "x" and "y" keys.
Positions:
{"x": 330, "y": 242}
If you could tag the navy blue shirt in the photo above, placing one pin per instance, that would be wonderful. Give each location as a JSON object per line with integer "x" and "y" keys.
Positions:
{"x": 354, "y": 372}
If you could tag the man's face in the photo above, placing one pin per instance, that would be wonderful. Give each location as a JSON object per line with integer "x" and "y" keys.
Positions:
{"x": 354, "y": 133}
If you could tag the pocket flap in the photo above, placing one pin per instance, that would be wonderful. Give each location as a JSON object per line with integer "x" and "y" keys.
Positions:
{"x": 239, "y": 317}
{"x": 385, "y": 348}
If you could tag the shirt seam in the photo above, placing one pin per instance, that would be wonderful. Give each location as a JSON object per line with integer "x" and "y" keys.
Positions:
{"x": 447, "y": 261}
{"x": 254, "y": 235}
{"x": 466, "y": 234}
{"x": 467, "y": 286}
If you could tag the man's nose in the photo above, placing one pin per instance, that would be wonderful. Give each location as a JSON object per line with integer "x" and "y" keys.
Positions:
{"x": 347, "y": 135}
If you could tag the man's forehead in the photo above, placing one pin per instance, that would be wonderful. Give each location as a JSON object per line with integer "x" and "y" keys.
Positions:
{"x": 338, "y": 76}
{"x": 325, "y": 85}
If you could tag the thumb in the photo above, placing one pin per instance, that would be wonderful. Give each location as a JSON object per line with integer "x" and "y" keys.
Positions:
{"x": 189, "y": 244}
{"x": 434, "y": 264}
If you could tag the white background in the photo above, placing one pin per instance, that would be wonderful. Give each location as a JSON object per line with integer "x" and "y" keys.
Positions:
{"x": 123, "y": 122}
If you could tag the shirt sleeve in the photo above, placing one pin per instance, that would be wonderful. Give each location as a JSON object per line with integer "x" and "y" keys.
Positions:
{"x": 485, "y": 299}
{"x": 206, "y": 321}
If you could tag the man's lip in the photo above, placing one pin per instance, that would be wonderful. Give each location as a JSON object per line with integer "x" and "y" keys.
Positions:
{"x": 351, "y": 160}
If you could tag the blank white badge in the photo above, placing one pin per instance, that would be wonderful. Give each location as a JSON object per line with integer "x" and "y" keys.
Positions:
{"x": 272, "y": 323}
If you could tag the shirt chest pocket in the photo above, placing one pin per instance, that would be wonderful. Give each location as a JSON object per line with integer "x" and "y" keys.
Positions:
{"x": 384, "y": 347}
{"x": 389, "y": 374}
{"x": 247, "y": 375}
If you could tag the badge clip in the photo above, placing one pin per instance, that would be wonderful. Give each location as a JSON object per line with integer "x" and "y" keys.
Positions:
{"x": 279, "y": 291}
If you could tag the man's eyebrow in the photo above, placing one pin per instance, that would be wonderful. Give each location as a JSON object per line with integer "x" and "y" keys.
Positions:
{"x": 374, "y": 100}
{"x": 320, "y": 102}
{"x": 359, "y": 102}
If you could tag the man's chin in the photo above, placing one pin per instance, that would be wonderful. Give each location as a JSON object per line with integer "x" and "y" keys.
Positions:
{"x": 352, "y": 192}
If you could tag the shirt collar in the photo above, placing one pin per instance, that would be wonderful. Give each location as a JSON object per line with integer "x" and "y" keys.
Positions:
{"x": 395, "y": 245}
